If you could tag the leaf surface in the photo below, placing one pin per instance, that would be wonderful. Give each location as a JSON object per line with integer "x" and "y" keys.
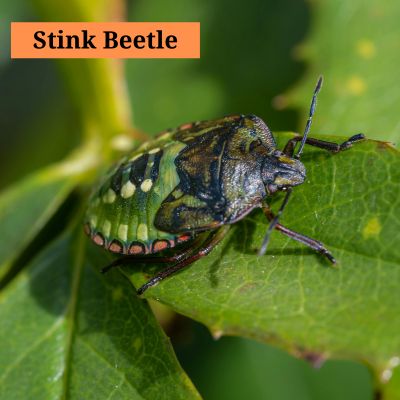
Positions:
{"x": 25, "y": 209}
{"x": 355, "y": 46}
{"x": 294, "y": 297}
{"x": 69, "y": 332}
{"x": 27, "y": 206}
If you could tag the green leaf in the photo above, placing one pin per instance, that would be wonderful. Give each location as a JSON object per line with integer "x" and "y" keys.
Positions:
{"x": 293, "y": 297}
{"x": 239, "y": 368}
{"x": 70, "y": 332}
{"x": 355, "y": 46}
{"x": 391, "y": 390}
{"x": 27, "y": 207}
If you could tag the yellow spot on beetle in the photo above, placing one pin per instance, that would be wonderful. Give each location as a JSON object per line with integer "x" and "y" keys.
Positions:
{"x": 93, "y": 221}
{"x": 155, "y": 150}
{"x": 117, "y": 293}
{"x": 177, "y": 193}
{"x": 136, "y": 157}
{"x": 109, "y": 197}
{"x": 128, "y": 190}
{"x": 142, "y": 233}
{"x": 356, "y": 85}
{"x": 106, "y": 228}
{"x": 164, "y": 136}
{"x": 123, "y": 232}
{"x": 146, "y": 185}
{"x": 281, "y": 181}
{"x": 366, "y": 48}
{"x": 286, "y": 160}
{"x": 372, "y": 228}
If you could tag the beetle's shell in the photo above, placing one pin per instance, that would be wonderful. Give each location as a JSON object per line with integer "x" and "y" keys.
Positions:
{"x": 194, "y": 178}
{"x": 121, "y": 211}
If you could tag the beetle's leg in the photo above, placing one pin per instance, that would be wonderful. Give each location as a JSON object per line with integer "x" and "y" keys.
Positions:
{"x": 322, "y": 144}
{"x": 310, "y": 242}
{"x": 209, "y": 243}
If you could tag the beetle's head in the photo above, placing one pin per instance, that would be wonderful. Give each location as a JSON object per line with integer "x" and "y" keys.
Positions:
{"x": 281, "y": 172}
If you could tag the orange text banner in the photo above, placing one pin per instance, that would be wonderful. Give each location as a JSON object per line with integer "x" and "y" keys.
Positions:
{"x": 105, "y": 40}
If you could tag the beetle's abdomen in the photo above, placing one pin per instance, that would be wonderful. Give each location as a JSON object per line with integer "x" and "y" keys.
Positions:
{"x": 121, "y": 212}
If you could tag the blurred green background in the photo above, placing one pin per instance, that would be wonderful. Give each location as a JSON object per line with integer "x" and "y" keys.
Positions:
{"x": 260, "y": 57}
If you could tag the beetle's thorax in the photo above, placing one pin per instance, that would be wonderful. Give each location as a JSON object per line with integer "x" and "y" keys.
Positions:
{"x": 280, "y": 171}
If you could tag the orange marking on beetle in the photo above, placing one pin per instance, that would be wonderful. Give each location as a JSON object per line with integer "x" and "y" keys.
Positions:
{"x": 86, "y": 228}
{"x": 184, "y": 238}
{"x": 160, "y": 245}
{"x": 98, "y": 239}
{"x": 186, "y": 126}
{"x": 136, "y": 249}
{"x": 235, "y": 117}
{"x": 116, "y": 247}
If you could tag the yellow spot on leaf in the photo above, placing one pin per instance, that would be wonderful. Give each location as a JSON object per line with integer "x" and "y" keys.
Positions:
{"x": 366, "y": 48}
{"x": 372, "y": 228}
{"x": 142, "y": 233}
{"x": 356, "y": 85}
{"x": 128, "y": 190}
{"x": 117, "y": 293}
{"x": 137, "y": 344}
{"x": 280, "y": 102}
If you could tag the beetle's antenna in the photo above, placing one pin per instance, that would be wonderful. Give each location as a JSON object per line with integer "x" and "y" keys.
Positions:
{"x": 273, "y": 223}
{"x": 310, "y": 116}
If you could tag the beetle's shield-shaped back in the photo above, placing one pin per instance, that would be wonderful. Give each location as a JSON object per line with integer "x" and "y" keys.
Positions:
{"x": 219, "y": 174}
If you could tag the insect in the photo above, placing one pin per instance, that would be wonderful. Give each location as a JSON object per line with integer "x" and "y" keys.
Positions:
{"x": 191, "y": 184}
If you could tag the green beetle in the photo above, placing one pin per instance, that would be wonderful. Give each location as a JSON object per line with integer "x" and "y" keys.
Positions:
{"x": 190, "y": 184}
